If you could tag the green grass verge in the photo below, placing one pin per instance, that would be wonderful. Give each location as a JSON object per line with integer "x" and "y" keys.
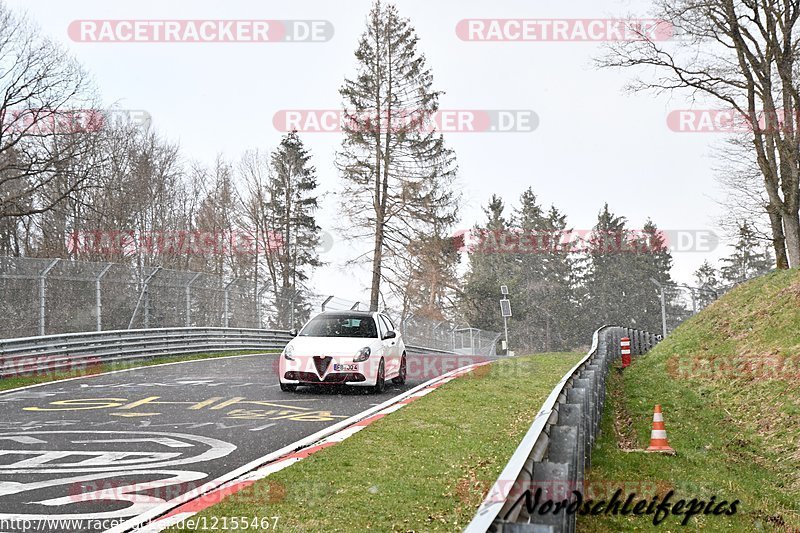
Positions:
{"x": 14, "y": 382}
{"x": 425, "y": 467}
{"x": 727, "y": 380}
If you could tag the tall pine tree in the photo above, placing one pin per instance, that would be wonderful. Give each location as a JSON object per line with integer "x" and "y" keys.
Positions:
{"x": 396, "y": 169}
{"x": 281, "y": 205}
{"x": 489, "y": 268}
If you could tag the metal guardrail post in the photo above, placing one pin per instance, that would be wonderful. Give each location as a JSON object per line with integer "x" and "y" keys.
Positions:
{"x": 42, "y": 294}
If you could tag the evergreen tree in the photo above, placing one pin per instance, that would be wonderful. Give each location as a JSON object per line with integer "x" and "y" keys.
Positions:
{"x": 396, "y": 169}
{"x": 561, "y": 270}
{"x": 622, "y": 264}
{"x": 606, "y": 283}
{"x": 530, "y": 316}
{"x": 707, "y": 278}
{"x": 655, "y": 263}
{"x": 292, "y": 234}
{"x": 749, "y": 257}
{"x": 489, "y": 268}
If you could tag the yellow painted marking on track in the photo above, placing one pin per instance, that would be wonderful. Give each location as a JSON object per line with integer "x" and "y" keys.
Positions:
{"x": 81, "y": 404}
{"x": 152, "y": 400}
{"x": 226, "y": 403}
{"x": 273, "y": 404}
{"x": 276, "y": 410}
{"x": 205, "y": 403}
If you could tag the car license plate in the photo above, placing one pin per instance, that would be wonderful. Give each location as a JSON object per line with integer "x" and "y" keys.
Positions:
{"x": 345, "y": 368}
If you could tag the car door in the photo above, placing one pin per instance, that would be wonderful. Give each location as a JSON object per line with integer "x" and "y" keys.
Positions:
{"x": 391, "y": 346}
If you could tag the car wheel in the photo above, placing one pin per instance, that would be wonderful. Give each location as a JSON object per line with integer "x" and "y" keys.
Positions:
{"x": 380, "y": 382}
{"x": 401, "y": 376}
{"x": 288, "y": 387}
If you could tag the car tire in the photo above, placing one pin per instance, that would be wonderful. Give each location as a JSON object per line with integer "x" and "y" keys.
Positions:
{"x": 401, "y": 376}
{"x": 380, "y": 381}
{"x": 288, "y": 387}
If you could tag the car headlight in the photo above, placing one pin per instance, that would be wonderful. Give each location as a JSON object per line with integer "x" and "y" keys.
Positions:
{"x": 362, "y": 355}
{"x": 288, "y": 352}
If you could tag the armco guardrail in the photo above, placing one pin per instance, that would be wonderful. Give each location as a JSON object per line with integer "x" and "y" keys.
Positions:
{"x": 555, "y": 452}
{"x": 72, "y": 351}
{"x": 78, "y": 350}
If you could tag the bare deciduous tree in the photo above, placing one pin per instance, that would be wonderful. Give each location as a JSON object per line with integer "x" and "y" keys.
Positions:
{"x": 741, "y": 54}
{"x": 45, "y": 101}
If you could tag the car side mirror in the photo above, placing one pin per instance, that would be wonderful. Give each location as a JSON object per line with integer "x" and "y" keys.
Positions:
{"x": 390, "y": 335}
{"x": 293, "y": 332}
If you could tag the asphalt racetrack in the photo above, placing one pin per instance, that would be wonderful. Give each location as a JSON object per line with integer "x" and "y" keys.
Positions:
{"x": 102, "y": 449}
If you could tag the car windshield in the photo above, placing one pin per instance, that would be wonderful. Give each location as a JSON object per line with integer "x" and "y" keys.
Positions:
{"x": 341, "y": 326}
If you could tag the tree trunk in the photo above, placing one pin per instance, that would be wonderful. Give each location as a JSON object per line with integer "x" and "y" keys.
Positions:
{"x": 376, "y": 267}
{"x": 778, "y": 240}
{"x": 791, "y": 228}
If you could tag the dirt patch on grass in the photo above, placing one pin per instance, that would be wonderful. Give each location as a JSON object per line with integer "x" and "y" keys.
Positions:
{"x": 623, "y": 422}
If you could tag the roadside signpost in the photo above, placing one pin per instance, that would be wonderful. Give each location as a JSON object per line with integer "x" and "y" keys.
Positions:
{"x": 505, "y": 310}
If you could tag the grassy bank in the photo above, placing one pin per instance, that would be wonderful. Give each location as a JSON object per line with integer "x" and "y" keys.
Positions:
{"x": 33, "y": 377}
{"x": 727, "y": 380}
{"x": 425, "y": 467}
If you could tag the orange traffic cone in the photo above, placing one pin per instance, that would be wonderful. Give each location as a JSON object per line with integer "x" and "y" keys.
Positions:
{"x": 658, "y": 437}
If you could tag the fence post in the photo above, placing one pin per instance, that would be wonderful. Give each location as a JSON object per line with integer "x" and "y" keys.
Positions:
{"x": 227, "y": 292}
{"x": 146, "y": 301}
{"x": 99, "y": 297}
{"x": 42, "y": 293}
{"x": 189, "y": 300}
{"x": 258, "y": 304}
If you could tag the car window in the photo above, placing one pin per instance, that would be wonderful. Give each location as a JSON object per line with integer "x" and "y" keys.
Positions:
{"x": 391, "y": 324}
{"x": 340, "y": 326}
{"x": 386, "y": 326}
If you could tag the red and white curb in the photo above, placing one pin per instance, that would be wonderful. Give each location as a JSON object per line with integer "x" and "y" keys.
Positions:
{"x": 213, "y": 492}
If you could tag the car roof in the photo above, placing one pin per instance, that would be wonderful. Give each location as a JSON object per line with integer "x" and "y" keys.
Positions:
{"x": 348, "y": 313}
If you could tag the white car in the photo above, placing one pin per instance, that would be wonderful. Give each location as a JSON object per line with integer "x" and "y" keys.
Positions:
{"x": 344, "y": 348}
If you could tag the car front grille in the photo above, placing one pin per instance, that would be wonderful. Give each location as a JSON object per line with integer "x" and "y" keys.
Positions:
{"x": 336, "y": 377}
{"x": 322, "y": 363}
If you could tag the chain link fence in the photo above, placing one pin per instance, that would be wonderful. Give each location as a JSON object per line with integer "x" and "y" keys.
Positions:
{"x": 449, "y": 336}
{"x": 436, "y": 334}
{"x": 54, "y": 296}
{"x": 51, "y": 296}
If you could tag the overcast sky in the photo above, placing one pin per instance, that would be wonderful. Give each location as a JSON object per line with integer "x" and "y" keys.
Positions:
{"x": 593, "y": 143}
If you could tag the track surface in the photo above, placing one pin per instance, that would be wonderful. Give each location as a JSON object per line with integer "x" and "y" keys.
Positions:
{"x": 112, "y": 446}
